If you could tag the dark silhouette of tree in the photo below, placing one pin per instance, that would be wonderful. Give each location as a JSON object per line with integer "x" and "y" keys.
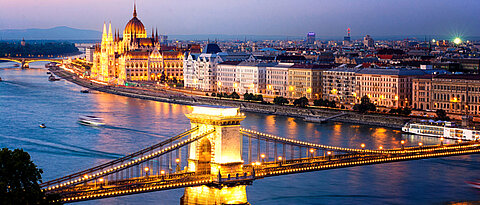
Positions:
{"x": 280, "y": 101}
{"x": 19, "y": 178}
{"x": 235, "y": 95}
{"x": 441, "y": 115}
{"x": 365, "y": 105}
{"x": 301, "y": 102}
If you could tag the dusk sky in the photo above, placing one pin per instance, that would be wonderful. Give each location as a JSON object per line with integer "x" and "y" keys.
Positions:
{"x": 257, "y": 17}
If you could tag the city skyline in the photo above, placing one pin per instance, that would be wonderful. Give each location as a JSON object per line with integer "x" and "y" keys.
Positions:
{"x": 252, "y": 17}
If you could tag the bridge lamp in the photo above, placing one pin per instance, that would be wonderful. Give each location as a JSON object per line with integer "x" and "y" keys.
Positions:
{"x": 363, "y": 146}
{"x": 258, "y": 163}
{"x": 441, "y": 140}
{"x": 177, "y": 160}
{"x": 459, "y": 141}
{"x": 146, "y": 169}
{"x": 100, "y": 180}
{"x": 85, "y": 176}
{"x": 420, "y": 144}
{"x": 280, "y": 158}
{"x": 380, "y": 148}
{"x": 162, "y": 172}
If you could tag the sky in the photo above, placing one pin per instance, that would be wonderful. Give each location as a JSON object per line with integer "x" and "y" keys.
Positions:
{"x": 253, "y": 17}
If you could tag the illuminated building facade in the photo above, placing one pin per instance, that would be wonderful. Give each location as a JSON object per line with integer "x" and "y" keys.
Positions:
{"x": 390, "y": 87}
{"x": 457, "y": 94}
{"x": 304, "y": 81}
{"x": 240, "y": 77}
{"x": 338, "y": 84}
{"x": 277, "y": 78}
{"x": 133, "y": 56}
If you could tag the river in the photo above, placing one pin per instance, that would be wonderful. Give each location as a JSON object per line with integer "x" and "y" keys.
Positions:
{"x": 28, "y": 99}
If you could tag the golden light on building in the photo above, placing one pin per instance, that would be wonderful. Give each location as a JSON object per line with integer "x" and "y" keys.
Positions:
{"x": 269, "y": 87}
{"x": 334, "y": 91}
{"x": 396, "y": 97}
{"x": 309, "y": 90}
{"x": 291, "y": 88}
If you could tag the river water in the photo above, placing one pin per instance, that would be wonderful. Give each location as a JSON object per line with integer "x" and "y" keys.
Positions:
{"x": 27, "y": 99}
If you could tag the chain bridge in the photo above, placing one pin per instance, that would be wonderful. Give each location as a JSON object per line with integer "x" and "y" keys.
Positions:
{"x": 216, "y": 159}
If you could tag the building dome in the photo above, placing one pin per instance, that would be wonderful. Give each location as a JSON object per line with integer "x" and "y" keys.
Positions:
{"x": 135, "y": 27}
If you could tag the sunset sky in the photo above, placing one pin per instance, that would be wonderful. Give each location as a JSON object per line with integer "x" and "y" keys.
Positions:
{"x": 257, "y": 17}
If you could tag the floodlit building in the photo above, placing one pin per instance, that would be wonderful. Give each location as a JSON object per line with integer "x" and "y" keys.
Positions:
{"x": 276, "y": 78}
{"x": 241, "y": 77}
{"x": 391, "y": 87}
{"x": 339, "y": 85}
{"x": 305, "y": 81}
{"x": 134, "y": 56}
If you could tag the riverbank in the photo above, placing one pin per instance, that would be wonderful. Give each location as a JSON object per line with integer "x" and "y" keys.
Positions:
{"x": 171, "y": 96}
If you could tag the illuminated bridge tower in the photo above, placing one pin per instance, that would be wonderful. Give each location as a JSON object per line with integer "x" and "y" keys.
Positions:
{"x": 219, "y": 152}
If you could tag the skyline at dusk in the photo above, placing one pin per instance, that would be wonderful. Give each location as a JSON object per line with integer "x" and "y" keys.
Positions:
{"x": 253, "y": 17}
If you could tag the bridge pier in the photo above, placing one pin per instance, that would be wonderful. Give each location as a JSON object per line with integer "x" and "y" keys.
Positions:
{"x": 216, "y": 155}
{"x": 25, "y": 64}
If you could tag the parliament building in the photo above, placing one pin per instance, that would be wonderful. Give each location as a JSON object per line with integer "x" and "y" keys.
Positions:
{"x": 134, "y": 56}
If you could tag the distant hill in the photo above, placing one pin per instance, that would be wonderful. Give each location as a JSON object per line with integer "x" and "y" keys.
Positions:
{"x": 56, "y": 33}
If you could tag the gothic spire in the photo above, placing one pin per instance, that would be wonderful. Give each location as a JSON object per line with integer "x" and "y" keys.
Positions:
{"x": 134, "y": 9}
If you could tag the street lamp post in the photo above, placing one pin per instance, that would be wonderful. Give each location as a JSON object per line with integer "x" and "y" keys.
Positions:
{"x": 178, "y": 164}
{"x": 146, "y": 171}
{"x": 311, "y": 152}
{"x": 403, "y": 144}
{"x": 263, "y": 158}
{"x": 441, "y": 141}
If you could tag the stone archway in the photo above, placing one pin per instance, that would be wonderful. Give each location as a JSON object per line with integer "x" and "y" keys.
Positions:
{"x": 204, "y": 157}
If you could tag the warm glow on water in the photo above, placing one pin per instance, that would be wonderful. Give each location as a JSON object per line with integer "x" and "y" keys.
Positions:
{"x": 28, "y": 99}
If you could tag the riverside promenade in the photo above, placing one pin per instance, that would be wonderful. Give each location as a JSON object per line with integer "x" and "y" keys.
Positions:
{"x": 172, "y": 96}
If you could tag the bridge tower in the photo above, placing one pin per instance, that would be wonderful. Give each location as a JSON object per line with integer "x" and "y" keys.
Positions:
{"x": 220, "y": 153}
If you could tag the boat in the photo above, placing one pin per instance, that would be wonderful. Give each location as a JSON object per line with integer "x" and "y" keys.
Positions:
{"x": 84, "y": 91}
{"x": 314, "y": 119}
{"x": 91, "y": 121}
{"x": 441, "y": 129}
{"x": 52, "y": 78}
{"x": 43, "y": 125}
{"x": 49, "y": 73}
{"x": 474, "y": 184}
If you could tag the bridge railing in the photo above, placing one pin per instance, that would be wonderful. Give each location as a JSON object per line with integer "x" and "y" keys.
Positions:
{"x": 123, "y": 163}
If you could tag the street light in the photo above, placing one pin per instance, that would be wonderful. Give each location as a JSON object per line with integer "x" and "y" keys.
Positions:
{"x": 420, "y": 144}
{"x": 311, "y": 152}
{"x": 263, "y": 157}
{"x": 363, "y": 146}
{"x": 280, "y": 160}
{"x": 146, "y": 171}
{"x": 380, "y": 148}
{"x": 403, "y": 144}
{"x": 178, "y": 164}
{"x": 460, "y": 141}
{"x": 441, "y": 141}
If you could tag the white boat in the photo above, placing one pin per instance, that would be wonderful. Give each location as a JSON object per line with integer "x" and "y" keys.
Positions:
{"x": 475, "y": 184}
{"x": 91, "y": 121}
{"x": 314, "y": 119}
{"x": 447, "y": 130}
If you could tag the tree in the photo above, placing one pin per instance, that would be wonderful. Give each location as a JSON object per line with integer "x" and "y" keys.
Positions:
{"x": 301, "y": 102}
{"x": 258, "y": 98}
{"x": 248, "y": 96}
{"x": 365, "y": 105}
{"x": 19, "y": 178}
{"x": 235, "y": 95}
{"x": 280, "y": 101}
{"x": 442, "y": 115}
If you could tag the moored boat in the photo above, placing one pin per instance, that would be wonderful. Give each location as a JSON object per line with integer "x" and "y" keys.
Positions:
{"x": 314, "y": 119}
{"x": 52, "y": 78}
{"x": 445, "y": 129}
{"x": 43, "y": 125}
{"x": 84, "y": 91}
{"x": 91, "y": 121}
